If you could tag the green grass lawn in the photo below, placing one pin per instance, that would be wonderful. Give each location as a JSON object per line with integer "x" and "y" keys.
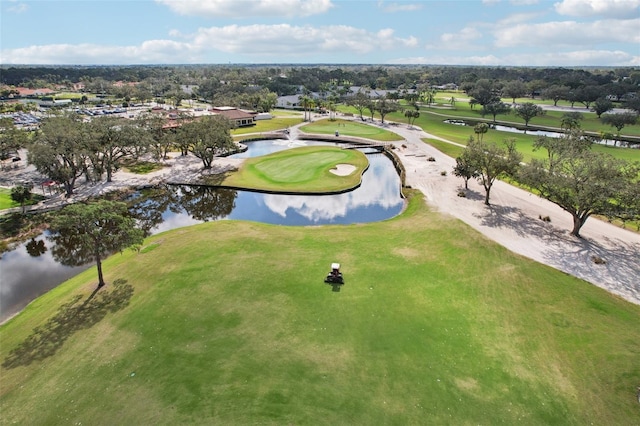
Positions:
{"x": 305, "y": 169}
{"x": 230, "y": 323}
{"x": 143, "y": 167}
{"x": 350, "y": 128}
{"x": 5, "y": 199}
{"x": 264, "y": 126}
{"x": 7, "y": 203}
{"x": 432, "y": 121}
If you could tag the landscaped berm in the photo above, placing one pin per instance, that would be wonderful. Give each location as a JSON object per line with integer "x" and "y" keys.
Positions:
{"x": 231, "y": 323}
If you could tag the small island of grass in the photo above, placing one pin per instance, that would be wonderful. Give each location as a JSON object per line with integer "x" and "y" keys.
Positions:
{"x": 310, "y": 169}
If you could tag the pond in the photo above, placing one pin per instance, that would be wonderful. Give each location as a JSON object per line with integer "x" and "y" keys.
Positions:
{"x": 510, "y": 129}
{"x": 31, "y": 270}
{"x": 547, "y": 133}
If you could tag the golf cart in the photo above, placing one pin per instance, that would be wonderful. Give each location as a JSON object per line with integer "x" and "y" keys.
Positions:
{"x": 335, "y": 276}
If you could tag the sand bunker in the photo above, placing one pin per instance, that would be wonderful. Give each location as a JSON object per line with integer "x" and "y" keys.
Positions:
{"x": 343, "y": 169}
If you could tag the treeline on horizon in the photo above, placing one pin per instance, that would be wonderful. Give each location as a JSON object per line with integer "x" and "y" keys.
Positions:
{"x": 287, "y": 79}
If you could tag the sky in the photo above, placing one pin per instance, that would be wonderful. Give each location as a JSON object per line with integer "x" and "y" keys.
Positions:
{"x": 455, "y": 32}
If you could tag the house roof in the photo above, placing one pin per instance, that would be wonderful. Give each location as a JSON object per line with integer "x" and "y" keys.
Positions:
{"x": 23, "y": 91}
{"x": 232, "y": 113}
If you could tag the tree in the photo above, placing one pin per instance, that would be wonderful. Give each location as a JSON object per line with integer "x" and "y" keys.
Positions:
{"x": 160, "y": 139}
{"x": 465, "y": 169}
{"x": 21, "y": 194}
{"x": 113, "y": 139}
{"x": 619, "y": 120}
{"x": 307, "y": 104}
{"x": 555, "y": 93}
{"x": 411, "y": 115}
{"x": 495, "y": 108}
{"x": 484, "y": 93}
{"x": 588, "y": 94}
{"x": 602, "y": 105}
{"x": 11, "y": 138}
{"x": 571, "y": 120}
{"x": 480, "y": 129}
{"x": 385, "y": 106}
{"x": 578, "y": 180}
{"x": 633, "y": 104}
{"x": 527, "y": 111}
{"x": 515, "y": 89}
{"x": 627, "y": 202}
{"x": 90, "y": 232}
{"x": 360, "y": 101}
{"x": 491, "y": 161}
{"x": 57, "y": 150}
{"x": 207, "y": 137}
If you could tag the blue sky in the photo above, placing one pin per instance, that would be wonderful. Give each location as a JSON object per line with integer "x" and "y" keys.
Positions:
{"x": 454, "y": 32}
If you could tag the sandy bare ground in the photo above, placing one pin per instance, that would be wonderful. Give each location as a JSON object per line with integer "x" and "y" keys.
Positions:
{"x": 512, "y": 220}
{"x": 343, "y": 169}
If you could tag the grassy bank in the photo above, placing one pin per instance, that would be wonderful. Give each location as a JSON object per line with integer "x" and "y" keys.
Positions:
{"x": 306, "y": 169}
{"x": 230, "y": 323}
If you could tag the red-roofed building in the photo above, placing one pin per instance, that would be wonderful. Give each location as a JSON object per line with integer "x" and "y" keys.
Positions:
{"x": 25, "y": 92}
{"x": 240, "y": 117}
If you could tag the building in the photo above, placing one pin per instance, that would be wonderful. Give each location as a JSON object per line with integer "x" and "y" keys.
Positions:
{"x": 239, "y": 117}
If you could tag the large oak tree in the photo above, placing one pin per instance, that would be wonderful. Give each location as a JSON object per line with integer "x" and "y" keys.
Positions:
{"x": 90, "y": 232}
{"x": 580, "y": 181}
{"x": 207, "y": 137}
{"x": 58, "y": 150}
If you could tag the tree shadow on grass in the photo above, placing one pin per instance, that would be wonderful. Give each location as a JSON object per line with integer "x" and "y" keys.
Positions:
{"x": 71, "y": 317}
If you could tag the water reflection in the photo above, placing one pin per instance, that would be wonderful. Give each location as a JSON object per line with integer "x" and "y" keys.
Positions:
{"x": 36, "y": 248}
{"x": 25, "y": 277}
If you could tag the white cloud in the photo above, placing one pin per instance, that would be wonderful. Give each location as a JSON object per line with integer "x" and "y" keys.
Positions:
{"x": 621, "y": 9}
{"x": 457, "y": 41}
{"x": 273, "y": 42}
{"x": 17, "y": 7}
{"x": 298, "y": 40}
{"x": 517, "y": 18}
{"x": 576, "y": 58}
{"x": 248, "y": 8}
{"x": 568, "y": 59}
{"x": 448, "y": 60}
{"x": 399, "y": 7}
{"x": 568, "y": 33}
{"x": 149, "y": 52}
{"x": 523, "y": 2}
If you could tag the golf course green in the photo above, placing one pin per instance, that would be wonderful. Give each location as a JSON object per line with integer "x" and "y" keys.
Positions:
{"x": 230, "y": 322}
{"x": 309, "y": 169}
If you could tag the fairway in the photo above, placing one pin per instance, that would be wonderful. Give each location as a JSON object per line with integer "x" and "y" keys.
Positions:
{"x": 230, "y": 323}
{"x": 308, "y": 169}
{"x": 350, "y": 128}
